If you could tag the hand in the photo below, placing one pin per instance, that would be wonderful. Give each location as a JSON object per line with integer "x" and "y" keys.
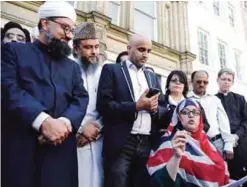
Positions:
{"x": 229, "y": 155}
{"x": 55, "y": 130}
{"x": 236, "y": 138}
{"x": 91, "y": 131}
{"x": 81, "y": 140}
{"x": 178, "y": 143}
{"x": 149, "y": 104}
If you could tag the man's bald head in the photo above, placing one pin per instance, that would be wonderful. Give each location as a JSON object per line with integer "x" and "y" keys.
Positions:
{"x": 139, "y": 48}
{"x": 136, "y": 39}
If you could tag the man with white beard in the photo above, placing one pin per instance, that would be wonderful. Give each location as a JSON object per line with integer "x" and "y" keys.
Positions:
{"x": 89, "y": 138}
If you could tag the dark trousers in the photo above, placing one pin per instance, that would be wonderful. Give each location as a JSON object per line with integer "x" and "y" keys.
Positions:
{"x": 129, "y": 168}
{"x": 238, "y": 166}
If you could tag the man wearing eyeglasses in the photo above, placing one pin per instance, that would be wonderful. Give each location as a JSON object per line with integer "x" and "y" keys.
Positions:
{"x": 43, "y": 104}
{"x": 236, "y": 109}
{"x": 219, "y": 131}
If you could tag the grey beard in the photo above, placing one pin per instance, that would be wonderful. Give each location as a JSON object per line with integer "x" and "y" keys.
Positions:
{"x": 85, "y": 63}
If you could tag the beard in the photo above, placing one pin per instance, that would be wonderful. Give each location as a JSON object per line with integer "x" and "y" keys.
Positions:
{"x": 58, "y": 49}
{"x": 85, "y": 62}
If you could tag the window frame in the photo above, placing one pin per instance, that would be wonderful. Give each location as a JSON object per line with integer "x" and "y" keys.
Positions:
{"x": 216, "y": 6}
{"x": 221, "y": 45}
{"x": 245, "y": 4}
{"x": 118, "y": 11}
{"x": 238, "y": 64}
{"x": 231, "y": 15}
{"x": 202, "y": 45}
{"x": 153, "y": 17}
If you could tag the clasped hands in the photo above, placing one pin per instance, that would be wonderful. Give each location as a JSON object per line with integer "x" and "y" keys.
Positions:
{"x": 54, "y": 131}
{"x": 89, "y": 134}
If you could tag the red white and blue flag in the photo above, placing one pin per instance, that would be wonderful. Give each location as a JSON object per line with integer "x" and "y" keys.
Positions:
{"x": 201, "y": 165}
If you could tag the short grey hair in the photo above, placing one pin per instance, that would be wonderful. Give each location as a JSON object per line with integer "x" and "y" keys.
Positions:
{"x": 227, "y": 71}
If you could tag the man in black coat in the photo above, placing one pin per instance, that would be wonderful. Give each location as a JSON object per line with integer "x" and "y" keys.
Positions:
{"x": 43, "y": 104}
{"x": 128, "y": 116}
{"x": 236, "y": 108}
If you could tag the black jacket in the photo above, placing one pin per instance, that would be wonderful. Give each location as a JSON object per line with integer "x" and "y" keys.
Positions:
{"x": 116, "y": 103}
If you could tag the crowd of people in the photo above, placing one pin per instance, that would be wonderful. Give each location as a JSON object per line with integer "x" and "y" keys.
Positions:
{"x": 70, "y": 123}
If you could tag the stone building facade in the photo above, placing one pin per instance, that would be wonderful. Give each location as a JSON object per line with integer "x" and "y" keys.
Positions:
{"x": 116, "y": 22}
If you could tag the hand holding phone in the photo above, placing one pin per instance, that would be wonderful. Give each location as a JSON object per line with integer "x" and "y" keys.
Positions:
{"x": 152, "y": 92}
{"x": 147, "y": 101}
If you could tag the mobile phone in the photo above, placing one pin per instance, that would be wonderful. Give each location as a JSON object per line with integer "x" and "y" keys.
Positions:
{"x": 152, "y": 92}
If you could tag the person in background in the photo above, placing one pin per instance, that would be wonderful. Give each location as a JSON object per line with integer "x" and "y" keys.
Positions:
{"x": 43, "y": 104}
{"x": 122, "y": 56}
{"x": 185, "y": 156}
{"x": 176, "y": 90}
{"x": 219, "y": 131}
{"x": 13, "y": 32}
{"x": 236, "y": 108}
{"x": 90, "y": 137}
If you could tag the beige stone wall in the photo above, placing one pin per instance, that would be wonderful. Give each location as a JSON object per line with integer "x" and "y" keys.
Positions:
{"x": 171, "y": 51}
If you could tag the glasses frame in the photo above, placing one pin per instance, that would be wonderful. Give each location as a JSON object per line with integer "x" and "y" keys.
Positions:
{"x": 188, "y": 112}
{"x": 65, "y": 27}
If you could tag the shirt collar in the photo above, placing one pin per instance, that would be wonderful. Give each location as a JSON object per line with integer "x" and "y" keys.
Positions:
{"x": 130, "y": 65}
{"x": 192, "y": 94}
{"x": 173, "y": 102}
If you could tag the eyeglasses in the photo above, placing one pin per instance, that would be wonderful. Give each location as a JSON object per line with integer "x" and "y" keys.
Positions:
{"x": 188, "y": 112}
{"x": 200, "y": 82}
{"x": 176, "y": 81}
{"x": 65, "y": 27}
{"x": 225, "y": 79}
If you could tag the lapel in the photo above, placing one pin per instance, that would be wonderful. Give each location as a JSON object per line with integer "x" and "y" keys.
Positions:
{"x": 148, "y": 78}
{"x": 127, "y": 79}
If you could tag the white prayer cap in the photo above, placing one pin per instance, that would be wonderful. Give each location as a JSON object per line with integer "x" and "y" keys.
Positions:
{"x": 57, "y": 9}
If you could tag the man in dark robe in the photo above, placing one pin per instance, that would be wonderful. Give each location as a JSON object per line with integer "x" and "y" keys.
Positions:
{"x": 43, "y": 104}
{"x": 236, "y": 108}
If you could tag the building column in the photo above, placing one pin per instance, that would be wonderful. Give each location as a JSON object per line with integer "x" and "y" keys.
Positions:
{"x": 160, "y": 21}
{"x": 179, "y": 36}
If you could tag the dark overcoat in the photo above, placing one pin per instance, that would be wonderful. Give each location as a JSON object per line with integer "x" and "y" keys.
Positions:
{"x": 32, "y": 82}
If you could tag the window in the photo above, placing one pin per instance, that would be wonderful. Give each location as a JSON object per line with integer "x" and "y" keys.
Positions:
{"x": 73, "y": 3}
{"x": 222, "y": 54}
{"x": 237, "y": 65}
{"x": 145, "y": 18}
{"x": 231, "y": 15}
{"x": 216, "y": 6}
{"x": 203, "y": 47}
{"x": 114, "y": 11}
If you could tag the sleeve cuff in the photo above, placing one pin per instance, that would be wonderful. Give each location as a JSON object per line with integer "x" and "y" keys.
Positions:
{"x": 228, "y": 146}
{"x": 67, "y": 121}
{"x": 39, "y": 120}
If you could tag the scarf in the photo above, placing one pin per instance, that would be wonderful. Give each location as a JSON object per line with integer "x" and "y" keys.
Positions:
{"x": 201, "y": 165}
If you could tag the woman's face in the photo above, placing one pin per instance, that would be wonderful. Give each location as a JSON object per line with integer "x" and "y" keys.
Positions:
{"x": 175, "y": 86}
{"x": 189, "y": 118}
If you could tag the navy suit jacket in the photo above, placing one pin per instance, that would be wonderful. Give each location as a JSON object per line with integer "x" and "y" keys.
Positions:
{"x": 32, "y": 83}
{"x": 115, "y": 102}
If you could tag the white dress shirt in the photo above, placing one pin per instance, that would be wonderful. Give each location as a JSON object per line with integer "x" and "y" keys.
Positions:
{"x": 91, "y": 80}
{"x": 142, "y": 125}
{"x": 217, "y": 118}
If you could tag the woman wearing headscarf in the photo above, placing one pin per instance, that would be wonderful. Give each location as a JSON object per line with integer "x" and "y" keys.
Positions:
{"x": 176, "y": 91}
{"x": 185, "y": 157}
